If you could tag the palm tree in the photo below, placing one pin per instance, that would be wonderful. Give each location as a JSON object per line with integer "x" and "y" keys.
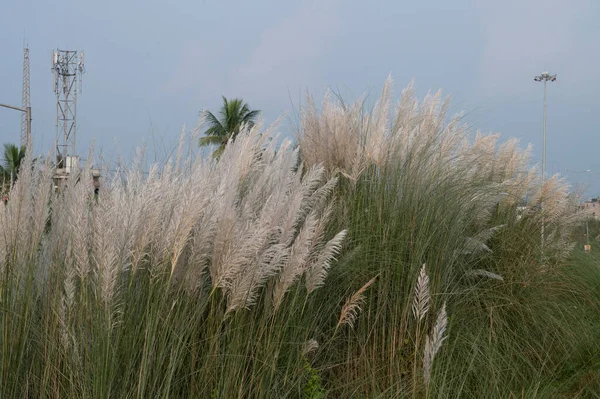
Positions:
{"x": 234, "y": 114}
{"x": 13, "y": 156}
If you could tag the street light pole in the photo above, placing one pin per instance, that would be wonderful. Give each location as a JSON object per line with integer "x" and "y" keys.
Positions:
{"x": 544, "y": 77}
{"x": 27, "y": 112}
{"x": 544, "y": 144}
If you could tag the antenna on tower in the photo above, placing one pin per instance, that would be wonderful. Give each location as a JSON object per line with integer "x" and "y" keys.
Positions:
{"x": 68, "y": 68}
{"x": 25, "y": 99}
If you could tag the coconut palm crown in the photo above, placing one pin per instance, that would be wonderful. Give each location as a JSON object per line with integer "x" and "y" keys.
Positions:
{"x": 11, "y": 161}
{"x": 234, "y": 114}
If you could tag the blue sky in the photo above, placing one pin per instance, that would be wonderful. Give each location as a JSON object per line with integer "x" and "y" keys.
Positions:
{"x": 153, "y": 65}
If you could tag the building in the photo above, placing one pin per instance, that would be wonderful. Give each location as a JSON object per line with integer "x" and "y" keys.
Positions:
{"x": 593, "y": 206}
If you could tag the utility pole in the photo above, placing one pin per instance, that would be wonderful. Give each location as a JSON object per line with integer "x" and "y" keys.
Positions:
{"x": 25, "y": 102}
{"x": 544, "y": 77}
{"x": 27, "y": 113}
{"x": 587, "y": 247}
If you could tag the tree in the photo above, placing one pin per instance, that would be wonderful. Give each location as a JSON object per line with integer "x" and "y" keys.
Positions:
{"x": 233, "y": 115}
{"x": 11, "y": 162}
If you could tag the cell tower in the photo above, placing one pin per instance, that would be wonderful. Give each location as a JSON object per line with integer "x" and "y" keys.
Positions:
{"x": 25, "y": 101}
{"x": 68, "y": 68}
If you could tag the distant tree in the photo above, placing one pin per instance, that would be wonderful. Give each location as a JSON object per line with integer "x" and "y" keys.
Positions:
{"x": 233, "y": 115}
{"x": 11, "y": 162}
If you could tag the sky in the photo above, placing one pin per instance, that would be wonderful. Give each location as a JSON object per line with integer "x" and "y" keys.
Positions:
{"x": 152, "y": 66}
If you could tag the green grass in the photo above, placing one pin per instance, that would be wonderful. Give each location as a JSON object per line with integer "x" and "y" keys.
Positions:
{"x": 523, "y": 321}
{"x": 535, "y": 334}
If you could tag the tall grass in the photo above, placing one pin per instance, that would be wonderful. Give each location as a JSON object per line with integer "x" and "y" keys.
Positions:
{"x": 162, "y": 284}
{"x": 390, "y": 255}
{"x": 418, "y": 190}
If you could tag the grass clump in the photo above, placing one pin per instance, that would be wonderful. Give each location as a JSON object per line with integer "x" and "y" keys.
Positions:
{"x": 420, "y": 191}
{"x": 391, "y": 254}
{"x": 174, "y": 283}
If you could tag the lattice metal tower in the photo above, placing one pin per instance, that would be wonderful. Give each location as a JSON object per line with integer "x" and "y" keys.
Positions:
{"x": 68, "y": 68}
{"x": 25, "y": 101}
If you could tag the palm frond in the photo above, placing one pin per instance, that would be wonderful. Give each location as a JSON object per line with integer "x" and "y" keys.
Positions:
{"x": 216, "y": 128}
{"x": 212, "y": 140}
{"x": 250, "y": 116}
{"x": 13, "y": 157}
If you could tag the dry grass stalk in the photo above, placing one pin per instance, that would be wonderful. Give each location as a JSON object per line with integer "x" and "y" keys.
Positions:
{"x": 317, "y": 271}
{"x": 250, "y": 218}
{"x": 433, "y": 343}
{"x": 430, "y": 149}
{"x": 352, "y": 307}
{"x": 484, "y": 273}
{"x": 309, "y": 347}
{"x": 420, "y": 305}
